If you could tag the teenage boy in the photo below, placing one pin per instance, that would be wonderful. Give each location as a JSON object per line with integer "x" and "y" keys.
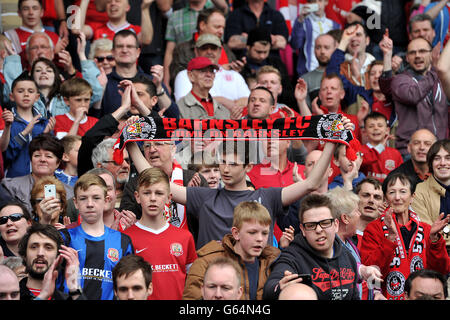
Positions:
{"x": 31, "y": 12}
{"x": 77, "y": 94}
{"x": 214, "y": 207}
{"x": 27, "y": 124}
{"x": 68, "y": 172}
{"x": 317, "y": 251}
{"x": 99, "y": 247}
{"x": 170, "y": 250}
{"x": 112, "y": 218}
{"x": 349, "y": 175}
{"x": 378, "y": 159}
{"x": 247, "y": 245}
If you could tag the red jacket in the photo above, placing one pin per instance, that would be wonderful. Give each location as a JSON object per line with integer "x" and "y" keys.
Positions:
{"x": 377, "y": 249}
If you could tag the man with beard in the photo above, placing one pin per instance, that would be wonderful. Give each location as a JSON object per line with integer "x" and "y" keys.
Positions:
{"x": 420, "y": 101}
{"x": 42, "y": 250}
{"x": 324, "y": 47}
{"x": 258, "y": 55}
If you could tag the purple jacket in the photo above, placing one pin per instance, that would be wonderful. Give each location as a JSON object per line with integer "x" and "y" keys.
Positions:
{"x": 420, "y": 103}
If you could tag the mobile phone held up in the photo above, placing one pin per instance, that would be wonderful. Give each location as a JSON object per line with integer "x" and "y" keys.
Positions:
{"x": 49, "y": 191}
{"x": 312, "y": 7}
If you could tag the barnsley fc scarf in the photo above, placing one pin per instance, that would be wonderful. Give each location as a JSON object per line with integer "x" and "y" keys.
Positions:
{"x": 326, "y": 127}
{"x": 404, "y": 262}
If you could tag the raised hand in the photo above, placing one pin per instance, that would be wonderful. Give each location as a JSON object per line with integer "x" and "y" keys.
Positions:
{"x": 49, "y": 207}
{"x": 8, "y": 117}
{"x": 50, "y": 125}
{"x": 287, "y": 237}
{"x": 438, "y": 226}
{"x": 390, "y": 224}
{"x": 301, "y": 90}
{"x": 31, "y": 124}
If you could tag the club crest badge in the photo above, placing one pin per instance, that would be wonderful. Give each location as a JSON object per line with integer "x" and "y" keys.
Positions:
{"x": 395, "y": 283}
{"x": 390, "y": 165}
{"x": 331, "y": 128}
{"x": 176, "y": 249}
{"x": 143, "y": 129}
{"x": 416, "y": 264}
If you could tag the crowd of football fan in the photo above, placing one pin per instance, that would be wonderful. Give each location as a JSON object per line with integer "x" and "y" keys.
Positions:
{"x": 292, "y": 219}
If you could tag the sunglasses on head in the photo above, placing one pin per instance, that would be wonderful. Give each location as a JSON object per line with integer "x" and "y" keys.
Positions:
{"x": 14, "y": 218}
{"x": 101, "y": 59}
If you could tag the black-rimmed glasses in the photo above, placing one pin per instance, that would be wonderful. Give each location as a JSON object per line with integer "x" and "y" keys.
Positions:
{"x": 324, "y": 224}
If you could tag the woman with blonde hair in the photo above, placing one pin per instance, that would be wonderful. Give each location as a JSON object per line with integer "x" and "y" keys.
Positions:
{"x": 49, "y": 210}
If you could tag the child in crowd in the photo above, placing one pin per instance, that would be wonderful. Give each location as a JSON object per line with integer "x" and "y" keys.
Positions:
{"x": 246, "y": 245}
{"x": 205, "y": 164}
{"x": 170, "y": 250}
{"x": 349, "y": 175}
{"x": 27, "y": 124}
{"x": 68, "y": 171}
{"x": 378, "y": 158}
{"x": 77, "y": 95}
{"x": 99, "y": 247}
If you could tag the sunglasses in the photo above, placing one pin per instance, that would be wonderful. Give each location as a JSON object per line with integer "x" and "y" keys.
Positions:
{"x": 14, "y": 218}
{"x": 101, "y": 59}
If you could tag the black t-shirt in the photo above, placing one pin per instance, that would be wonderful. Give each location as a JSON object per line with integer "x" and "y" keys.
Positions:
{"x": 253, "y": 277}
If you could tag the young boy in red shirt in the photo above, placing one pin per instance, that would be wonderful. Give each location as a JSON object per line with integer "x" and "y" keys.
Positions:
{"x": 169, "y": 250}
{"x": 378, "y": 158}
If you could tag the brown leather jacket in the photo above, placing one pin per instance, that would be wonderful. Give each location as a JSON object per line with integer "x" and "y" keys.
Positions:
{"x": 216, "y": 249}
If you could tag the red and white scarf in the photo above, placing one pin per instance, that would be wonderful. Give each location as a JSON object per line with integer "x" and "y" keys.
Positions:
{"x": 404, "y": 262}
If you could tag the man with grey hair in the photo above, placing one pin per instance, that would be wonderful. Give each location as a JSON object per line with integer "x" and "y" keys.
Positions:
{"x": 38, "y": 45}
{"x": 345, "y": 203}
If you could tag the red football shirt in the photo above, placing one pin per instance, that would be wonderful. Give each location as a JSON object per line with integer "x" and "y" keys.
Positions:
{"x": 108, "y": 30}
{"x": 170, "y": 251}
{"x": 65, "y": 121}
{"x": 379, "y": 165}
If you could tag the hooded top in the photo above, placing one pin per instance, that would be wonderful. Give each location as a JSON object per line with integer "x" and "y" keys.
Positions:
{"x": 332, "y": 279}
